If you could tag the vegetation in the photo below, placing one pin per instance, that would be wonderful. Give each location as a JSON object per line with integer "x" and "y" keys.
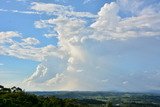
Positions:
{"x": 109, "y": 99}
{"x": 16, "y": 97}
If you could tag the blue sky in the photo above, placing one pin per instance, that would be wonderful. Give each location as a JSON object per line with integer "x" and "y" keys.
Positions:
{"x": 80, "y": 45}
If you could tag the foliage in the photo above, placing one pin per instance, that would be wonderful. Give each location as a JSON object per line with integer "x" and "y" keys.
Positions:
{"x": 15, "y": 97}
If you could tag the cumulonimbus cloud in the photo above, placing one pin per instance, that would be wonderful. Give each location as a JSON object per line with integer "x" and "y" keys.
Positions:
{"x": 103, "y": 55}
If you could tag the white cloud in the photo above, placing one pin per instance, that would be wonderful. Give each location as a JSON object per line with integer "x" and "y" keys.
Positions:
{"x": 125, "y": 82}
{"x": 21, "y": 50}
{"x": 49, "y": 7}
{"x": 107, "y": 21}
{"x": 31, "y": 41}
{"x": 24, "y": 49}
{"x": 137, "y": 7}
{"x": 89, "y": 1}
{"x": 6, "y": 37}
{"x": 8, "y": 34}
{"x": 130, "y": 6}
{"x": 88, "y": 54}
{"x": 21, "y": 12}
{"x": 24, "y": 12}
{"x": 55, "y": 9}
{"x": 108, "y": 17}
{"x": 50, "y": 35}
{"x": 40, "y": 72}
{"x": 114, "y": 27}
{"x": 56, "y": 80}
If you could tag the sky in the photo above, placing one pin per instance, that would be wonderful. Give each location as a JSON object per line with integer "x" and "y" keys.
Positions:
{"x": 84, "y": 45}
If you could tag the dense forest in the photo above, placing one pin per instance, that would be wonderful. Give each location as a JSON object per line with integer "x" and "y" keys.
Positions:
{"x": 16, "y": 97}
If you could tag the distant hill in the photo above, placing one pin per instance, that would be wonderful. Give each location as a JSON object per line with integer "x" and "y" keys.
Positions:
{"x": 118, "y": 99}
{"x": 154, "y": 92}
{"x": 16, "y": 97}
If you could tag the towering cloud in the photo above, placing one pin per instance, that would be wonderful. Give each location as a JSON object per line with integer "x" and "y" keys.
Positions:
{"x": 112, "y": 53}
{"x": 96, "y": 57}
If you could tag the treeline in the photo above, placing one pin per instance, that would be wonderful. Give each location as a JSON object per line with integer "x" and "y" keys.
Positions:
{"x": 9, "y": 90}
{"x": 15, "y": 97}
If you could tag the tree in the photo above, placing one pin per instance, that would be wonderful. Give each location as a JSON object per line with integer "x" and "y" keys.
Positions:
{"x": 1, "y": 87}
{"x": 13, "y": 89}
{"x": 109, "y": 104}
{"x": 6, "y": 90}
{"x": 16, "y": 89}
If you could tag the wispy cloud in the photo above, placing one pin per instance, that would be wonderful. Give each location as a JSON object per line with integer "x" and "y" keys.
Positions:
{"x": 86, "y": 1}
{"x": 21, "y": 12}
{"x": 56, "y": 9}
{"x": 1, "y": 64}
